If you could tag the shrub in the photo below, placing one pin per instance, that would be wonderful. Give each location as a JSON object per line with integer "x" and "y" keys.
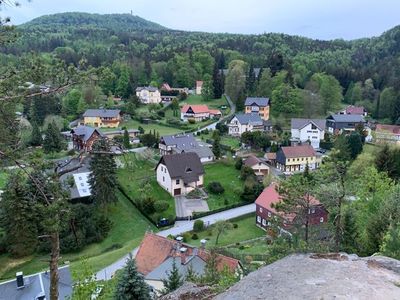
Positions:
{"x": 192, "y": 121}
{"x": 171, "y": 237}
{"x": 215, "y": 187}
{"x": 195, "y": 236}
{"x": 161, "y": 205}
{"x": 235, "y": 225}
{"x": 241, "y": 247}
{"x": 209, "y": 233}
{"x": 186, "y": 236}
{"x": 226, "y": 201}
{"x": 238, "y": 163}
{"x": 71, "y": 152}
{"x": 195, "y": 194}
{"x": 198, "y": 225}
{"x": 147, "y": 205}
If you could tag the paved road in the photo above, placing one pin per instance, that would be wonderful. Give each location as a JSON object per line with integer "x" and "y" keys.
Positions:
{"x": 179, "y": 228}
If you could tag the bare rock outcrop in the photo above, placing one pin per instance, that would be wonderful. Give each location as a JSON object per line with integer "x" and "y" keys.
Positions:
{"x": 190, "y": 291}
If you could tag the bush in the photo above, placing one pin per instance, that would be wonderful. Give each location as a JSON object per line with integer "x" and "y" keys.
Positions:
{"x": 241, "y": 247}
{"x": 186, "y": 236}
{"x": 147, "y": 205}
{"x": 71, "y": 152}
{"x": 195, "y": 236}
{"x": 215, "y": 187}
{"x": 192, "y": 121}
{"x": 160, "y": 206}
{"x": 235, "y": 225}
{"x": 198, "y": 225}
{"x": 226, "y": 201}
{"x": 161, "y": 113}
{"x": 238, "y": 163}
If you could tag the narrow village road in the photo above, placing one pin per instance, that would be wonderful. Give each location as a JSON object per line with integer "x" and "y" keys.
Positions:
{"x": 179, "y": 228}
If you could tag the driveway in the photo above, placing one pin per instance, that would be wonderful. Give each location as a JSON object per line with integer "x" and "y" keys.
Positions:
{"x": 180, "y": 227}
{"x": 185, "y": 207}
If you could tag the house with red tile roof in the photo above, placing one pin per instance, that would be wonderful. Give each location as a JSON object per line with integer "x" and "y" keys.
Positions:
{"x": 259, "y": 167}
{"x": 157, "y": 254}
{"x": 198, "y": 112}
{"x": 387, "y": 134}
{"x": 295, "y": 158}
{"x": 265, "y": 210}
{"x": 354, "y": 110}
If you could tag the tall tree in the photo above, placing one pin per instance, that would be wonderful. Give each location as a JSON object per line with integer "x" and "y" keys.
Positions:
{"x": 221, "y": 227}
{"x": 216, "y": 148}
{"x": 52, "y": 141}
{"x": 264, "y": 88}
{"x": 131, "y": 284}
{"x": 207, "y": 90}
{"x": 103, "y": 178}
{"x": 36, "y": 135}
{"x": 235, "y": 82}
{"x": 217, "y": 81}
{"x": 251, "y": 80}
{"x": 174, "y": 279}
{"x": 126, "y": 140}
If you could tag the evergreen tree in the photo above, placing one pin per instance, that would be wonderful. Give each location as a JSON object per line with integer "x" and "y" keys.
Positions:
{"x": 174, "y": 279}
{"x": 126, "y": 140}
{"x": 250, "y": 80}
{"x": 207, "y": 91}
{"x": 52, "y": 141}
{"x": 18, "y": 218}
{"x": 211, "y": 275}
{"x": 216, "y": 148}
{"x": 217, "y": 81}
{"x": 350, "y": 234}
{"x": 36, "y": 136}
{"x": 131, "y": 284}
{"x": 355, "y": 144}
{"x": 103, "y": 179}
{"x": 391, "y": 242}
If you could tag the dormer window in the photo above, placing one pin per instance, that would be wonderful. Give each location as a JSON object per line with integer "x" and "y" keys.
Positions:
{"x": 188, "y": 170}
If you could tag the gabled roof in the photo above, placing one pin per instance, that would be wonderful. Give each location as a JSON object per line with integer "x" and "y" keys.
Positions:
{"x": 102, "y": 113}
{"x": 85, "y": 132}
{"x": 201, "y": 151}
{"x": 185, "y": 166}
{"x": 181, "y": 141}
{"x": 252, "y": 119}
{"x": 347, "y": 118}
{"x": 355, "y": 110}
{"x": 297, "y": 151}
{"x": 156, "y": 253}
{"x": 394, "y": 129}
{"x": 256, "y": 101}
{"x": 197, "y": 108}
{"x": 148, "y": 88}
{"x": 252, "y": 161}
{"x": 297, "y": 123}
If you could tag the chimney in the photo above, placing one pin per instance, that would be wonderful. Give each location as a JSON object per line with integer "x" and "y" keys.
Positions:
{"x": 203, "y": 244}
{"x": 183, "y": 251}
{"x": 20, "y": 280}
{"x": 179, "y": 239}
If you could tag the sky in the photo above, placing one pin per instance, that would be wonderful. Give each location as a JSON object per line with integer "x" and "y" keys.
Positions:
{"x": 322, "y": 19}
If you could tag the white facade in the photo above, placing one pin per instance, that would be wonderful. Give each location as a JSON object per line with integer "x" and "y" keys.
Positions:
{"x": 198, "y": 117}
{"x": 310, "y": 132}
{"x": 236, "y": 128}
{"x": 147, "y": 96}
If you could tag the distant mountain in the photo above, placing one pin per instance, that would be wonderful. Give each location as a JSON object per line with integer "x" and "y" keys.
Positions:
{"x": 114, "y": 22}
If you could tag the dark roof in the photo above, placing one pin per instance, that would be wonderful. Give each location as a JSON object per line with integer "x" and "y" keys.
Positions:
{"x": 252, "y": 160}
{"x": 257, "y": 101}
{"x": 253, "y": 119}
{"x": 201, "y": 151}
{"x": 103, "y": 113}
{"x": 149, "y": 88}
{"x": 347, "y": 118}
{"x": 181, "y": 141}
{"x": 186, "y": 166}
{"x": 85, "y": 132}
{"x": 37, "y": 284}
{"x": 300, "y": 123}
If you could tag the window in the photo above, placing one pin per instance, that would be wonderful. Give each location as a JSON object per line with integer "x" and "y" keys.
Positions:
{"x": 269, "y": 223}
{"x": 313, "y": 210}
{"x": 258, "y": 219}
{"x": 264, "y": 222}
{"x": 177, "y": 181}
{"x": 163, "y": 178}
{"x": 269, "y": 215}
{"x": 162, "y": 169}
{"x": 261, "y": 210}
{"x": 321, "y": 220}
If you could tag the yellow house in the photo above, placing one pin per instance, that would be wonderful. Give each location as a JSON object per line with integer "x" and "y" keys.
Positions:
{"x": 109, "y": 118}
{"x": 296, "y": 158}
{"x": 258, "y": 106}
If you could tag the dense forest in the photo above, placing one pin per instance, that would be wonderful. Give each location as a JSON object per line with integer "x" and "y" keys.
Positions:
{"x": 129, "y": 51}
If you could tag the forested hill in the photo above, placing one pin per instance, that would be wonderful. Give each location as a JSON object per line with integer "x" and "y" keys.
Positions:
{"x": 64, "y": 21}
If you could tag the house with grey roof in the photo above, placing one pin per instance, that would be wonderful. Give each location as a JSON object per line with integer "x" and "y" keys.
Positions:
{"x": 343, "y": 123}
{"x": 257, "y": 105}
{"x": 185, "y": 143}
{"x": 109, "y": 118}
{"x": 83, "y": 137}
{"x": 181, "y": 173}
{"x": 148, "y": 94}
{"x": 245, "y": 122}
{"x": 36, "y": 286}
{"x": 310, "y": 131}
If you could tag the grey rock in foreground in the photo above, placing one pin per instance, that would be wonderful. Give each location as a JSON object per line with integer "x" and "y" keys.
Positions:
{"x": 305, "y": 276}
{"x": 190, "y": 291}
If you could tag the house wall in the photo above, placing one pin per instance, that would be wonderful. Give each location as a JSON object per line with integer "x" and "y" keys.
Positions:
{"x": 263, "y": 112}
{"x": 148, "y": 97}
{"x": 298, "y": 164}
{"x": 307, "y": 133}
{"x": 99, "y": 122}
{"x": 164, "y": 179}
{"x": 197, "y": 117}
{"x": 387, "y": 137}
{"x": 260, "y": 169}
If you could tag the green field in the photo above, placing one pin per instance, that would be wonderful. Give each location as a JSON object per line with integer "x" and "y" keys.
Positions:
{"x": 246, "y": 230}
{"x": 226, "y": 140}
{"x": 212, "y": 103}
{"x": 225, "y": 173}
{"x": 128, "y": 229}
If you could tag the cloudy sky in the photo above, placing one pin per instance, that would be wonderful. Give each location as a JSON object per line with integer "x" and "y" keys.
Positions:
{"x": 324, "y": 19}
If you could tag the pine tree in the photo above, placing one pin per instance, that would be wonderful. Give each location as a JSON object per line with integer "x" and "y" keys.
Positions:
{"x": 36, "y": 136}
{"x": 131, "y": 284}
{"x": 216, "y": 148}
{"x": 174, "y": 279}
{"x": 350, "y": 234}
{"x": 250, "y": 80}
{"x": 126, "y": 140}
{"x": 52, "y": 141}
{"x": 103, "y": 179}
{"x": 18, "y": 218}
{"x": 211, "y": 274}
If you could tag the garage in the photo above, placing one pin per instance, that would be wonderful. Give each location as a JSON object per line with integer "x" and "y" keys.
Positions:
{"x": 177, "y": 192}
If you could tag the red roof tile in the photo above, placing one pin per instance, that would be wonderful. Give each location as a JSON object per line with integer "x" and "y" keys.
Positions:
{"x": 298, "y": 151}
{"x": 197, "y": 109}
{"x": 355, "y": 110}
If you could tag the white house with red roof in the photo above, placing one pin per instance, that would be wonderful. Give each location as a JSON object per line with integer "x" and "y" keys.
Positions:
{"x": 198, "y": 112}
{"x": 266, "y": 212}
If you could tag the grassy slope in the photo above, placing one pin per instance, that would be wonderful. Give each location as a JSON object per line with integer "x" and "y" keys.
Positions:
{"x": 228, "y": 176}
{"x": 128, "y": 230}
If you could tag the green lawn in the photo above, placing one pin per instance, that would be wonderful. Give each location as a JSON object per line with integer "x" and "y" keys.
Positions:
{"x": 126, "y": 233}
{"x": 225, "y": 173}
{"x": 212, "y": 103}
{"x": 227, "y": 140}
{"x": 246, "y": 230}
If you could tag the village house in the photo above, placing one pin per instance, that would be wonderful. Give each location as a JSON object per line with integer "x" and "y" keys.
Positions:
{"x": 271, "y": 158}
{"x": 199, "y": 87}
{"x": 109, "y": 118}
{"x": 148, "y": 94}
{"x": 311, "y": 131}
{"x": 245, "y": 122}
{"x": 157, "y": 254}
{"x": 259, "y": 167}
{"x": 296, "y": 158}
{"x": 338, "y": 123}
{"x": 387, "y": 134}
{"x": 185, "y": 143}
{"x": 354, "y": 110}
{"x": 198, "y": 113}
{"x": 133, "y": 135}
{"x": 166, "y": 87}
{"x": 83, "y": 137}
{"x": 179, "y": 174}
{"x": 258, "y": 106}
{"x": 36, "y": 286}
{"x": 266, "y": 213}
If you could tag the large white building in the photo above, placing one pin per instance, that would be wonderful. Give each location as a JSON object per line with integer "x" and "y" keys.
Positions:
{"x": 245, "y": 122}
{"x": 308, "y": 130}
{"x": 148, "y": 94}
